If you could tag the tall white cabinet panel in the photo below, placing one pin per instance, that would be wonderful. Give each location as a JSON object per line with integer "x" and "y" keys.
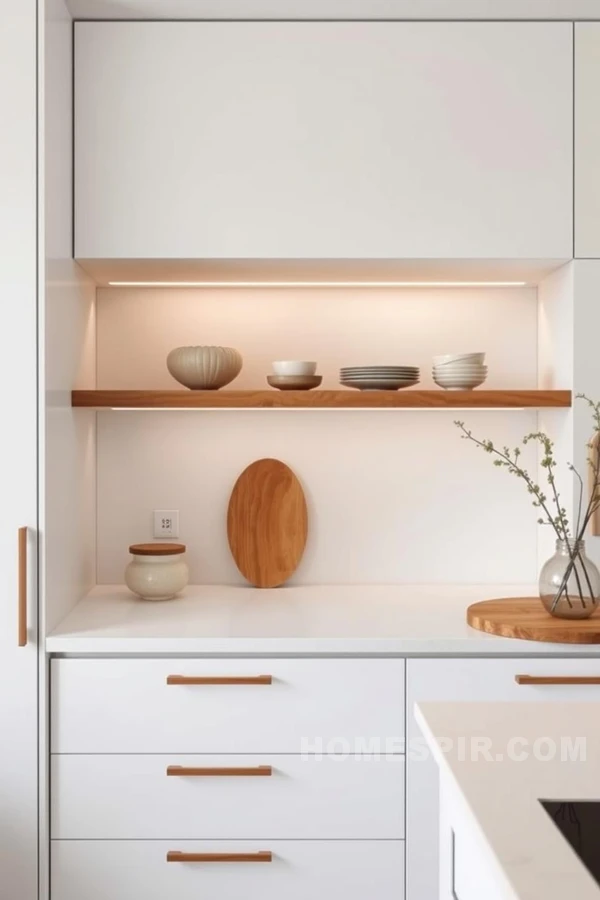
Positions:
{"x": 323, "y": 139}
{"x": 587, "y": 139}
{"x": 18, "y": 373}
{"x": 455, "y": 680}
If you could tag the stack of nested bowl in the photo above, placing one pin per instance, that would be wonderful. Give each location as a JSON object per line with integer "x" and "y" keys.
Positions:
{"x": 459, "y": 371}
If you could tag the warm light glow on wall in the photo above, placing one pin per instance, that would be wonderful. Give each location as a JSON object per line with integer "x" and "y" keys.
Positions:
{"x": 317, "y": 284}
{"x": 312, "y": 409}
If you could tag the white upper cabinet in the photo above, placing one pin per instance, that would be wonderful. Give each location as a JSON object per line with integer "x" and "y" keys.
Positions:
{"x": 328, "y": 140}
{"x": 587, "y": 140}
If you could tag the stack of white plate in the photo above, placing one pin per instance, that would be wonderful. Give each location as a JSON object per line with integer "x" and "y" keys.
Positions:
{"x": 459, "y": 371}
{"x": 379, "y": 378}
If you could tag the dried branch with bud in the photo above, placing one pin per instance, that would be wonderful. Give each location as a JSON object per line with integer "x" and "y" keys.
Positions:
{"x": 549, "y": 504}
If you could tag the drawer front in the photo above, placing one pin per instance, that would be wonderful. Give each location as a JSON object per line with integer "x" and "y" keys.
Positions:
{"x": 321, "y": 870}
{"x": 237, "y": 797}
{"x": 439, "y": 680}
{"x": 127, "y": 706}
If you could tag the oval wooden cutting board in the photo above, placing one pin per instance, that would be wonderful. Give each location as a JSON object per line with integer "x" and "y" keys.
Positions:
{"x": 267, "y": 523}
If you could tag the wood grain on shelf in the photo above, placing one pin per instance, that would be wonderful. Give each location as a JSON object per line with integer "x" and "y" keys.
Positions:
{"x": 526, "y": 618}
{"x": 346, "y": 399}
{"x": 267, "y": 523}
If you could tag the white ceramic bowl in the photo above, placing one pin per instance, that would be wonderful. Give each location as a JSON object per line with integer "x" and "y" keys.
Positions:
{"x": 459, "y": 370}
{"x": 465, "y": 383}
{"x": 204, "y": 368}
{"x": 453, "y": 371}
{"x": 294, "y": 367}
{"x": 452, "y": 379}
{"x": 449, "y": 358}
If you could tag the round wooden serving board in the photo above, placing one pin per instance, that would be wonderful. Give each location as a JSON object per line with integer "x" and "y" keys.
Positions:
{"x": 267, "y": 523}
{"x": 526, "y": 618}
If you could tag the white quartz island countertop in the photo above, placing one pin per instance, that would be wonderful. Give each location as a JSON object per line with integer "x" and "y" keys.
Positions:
{"x": 529, "y": 859}
{"x": 404, "y": 620}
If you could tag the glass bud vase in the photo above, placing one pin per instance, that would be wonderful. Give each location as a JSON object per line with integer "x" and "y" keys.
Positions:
{"x": 570, "y": 582}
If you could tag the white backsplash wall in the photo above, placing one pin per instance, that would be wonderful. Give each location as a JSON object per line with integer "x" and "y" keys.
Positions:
{"x": 393, "y": 496}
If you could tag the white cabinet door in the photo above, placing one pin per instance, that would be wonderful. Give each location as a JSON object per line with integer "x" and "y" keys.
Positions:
{"x": 18, "y": 491}
{"x": 587, "y": 139}
{"x": 470, "y": 680}
{"x": 323, "y": 140}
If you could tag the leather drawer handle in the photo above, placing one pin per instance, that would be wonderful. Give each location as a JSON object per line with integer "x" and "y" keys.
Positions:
{"x": 22, "y": 587}
{"x": 219, "y": 679}
{"x": 209, "y": 771}
{"x": 557, "y": 679}
{"x": 263, "y": 856}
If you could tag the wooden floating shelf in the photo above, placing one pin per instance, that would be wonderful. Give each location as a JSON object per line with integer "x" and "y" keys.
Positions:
{"x": 341, "y": 399}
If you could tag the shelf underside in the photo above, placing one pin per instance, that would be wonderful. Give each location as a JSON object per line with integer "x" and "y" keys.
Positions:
{"x": 341, "y": 399}
{"x": 526, "y": 271}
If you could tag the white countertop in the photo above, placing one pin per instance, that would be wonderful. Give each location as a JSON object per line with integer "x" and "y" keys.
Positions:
{"x": 405, "y": 620}
{"x": 502, "y": 795}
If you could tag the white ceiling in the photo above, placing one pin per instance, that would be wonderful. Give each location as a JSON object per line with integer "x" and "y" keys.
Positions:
{"x": 335, "y": 9}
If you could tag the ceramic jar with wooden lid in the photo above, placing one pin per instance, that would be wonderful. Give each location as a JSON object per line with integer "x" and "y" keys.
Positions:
{"x": 157, "y": 571}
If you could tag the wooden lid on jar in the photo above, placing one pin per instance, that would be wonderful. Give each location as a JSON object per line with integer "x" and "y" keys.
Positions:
{"x": 156, "y": 549}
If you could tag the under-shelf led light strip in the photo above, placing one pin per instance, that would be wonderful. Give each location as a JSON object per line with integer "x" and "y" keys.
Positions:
{"x": 317, "y": 284}
{"x": 296, "y": 410}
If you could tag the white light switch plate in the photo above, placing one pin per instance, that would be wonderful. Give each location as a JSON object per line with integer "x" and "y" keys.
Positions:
{"x": 166, "y": 523}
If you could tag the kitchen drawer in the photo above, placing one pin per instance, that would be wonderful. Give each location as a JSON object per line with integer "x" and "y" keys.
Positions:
{"x": 126, "y": 705}
{"x": 132, "y": 797}
{"x": 320, "y": 870}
